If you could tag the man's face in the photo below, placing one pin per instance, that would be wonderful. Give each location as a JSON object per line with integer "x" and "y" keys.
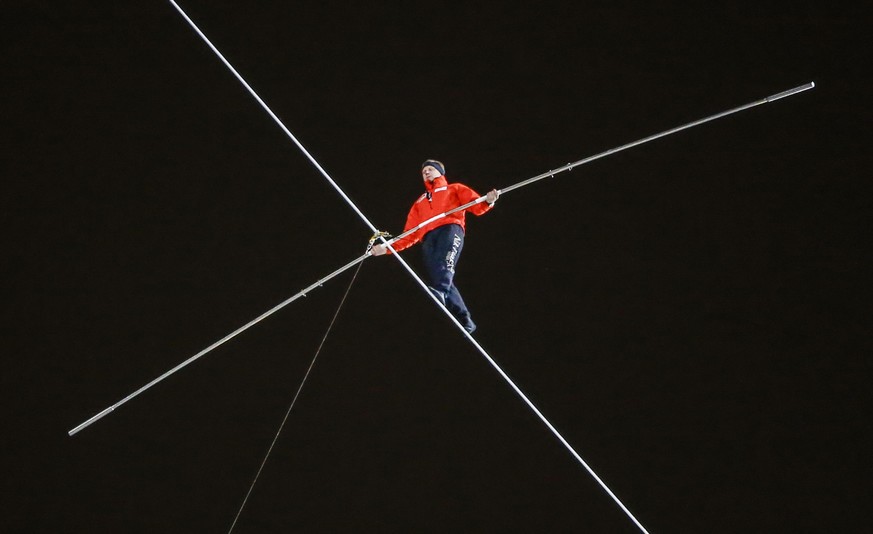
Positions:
{"x": 430, "y": 173}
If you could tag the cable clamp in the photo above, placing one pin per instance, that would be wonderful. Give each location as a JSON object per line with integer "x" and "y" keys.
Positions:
{"x": 376, "y": 236}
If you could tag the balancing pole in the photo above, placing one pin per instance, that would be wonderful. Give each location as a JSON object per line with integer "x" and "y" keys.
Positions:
{"x": 106, "y": 411}
{"x": 570, "y": 166}
{"x": 388, "y": 242}
{"x": 665, "y": 133}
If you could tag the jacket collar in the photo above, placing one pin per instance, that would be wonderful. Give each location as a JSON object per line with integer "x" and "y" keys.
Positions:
{"x": 437, "y": 182}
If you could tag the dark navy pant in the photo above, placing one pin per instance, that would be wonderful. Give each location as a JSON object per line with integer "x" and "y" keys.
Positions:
{"x": 441, "y": 248}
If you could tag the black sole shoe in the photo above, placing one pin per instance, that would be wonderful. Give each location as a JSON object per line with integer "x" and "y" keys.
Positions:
{"x": 469, "y": 325}
{"x": 439, "y": 295}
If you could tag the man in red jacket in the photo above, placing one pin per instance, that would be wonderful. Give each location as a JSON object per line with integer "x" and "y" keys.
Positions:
{"x": 442, "y": 239}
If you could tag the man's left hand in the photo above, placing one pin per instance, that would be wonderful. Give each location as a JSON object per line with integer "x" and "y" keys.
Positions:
{"x": 491, "y": 196}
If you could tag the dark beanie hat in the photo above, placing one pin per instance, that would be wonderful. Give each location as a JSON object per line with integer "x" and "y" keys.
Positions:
{"x": 435, "y": 164}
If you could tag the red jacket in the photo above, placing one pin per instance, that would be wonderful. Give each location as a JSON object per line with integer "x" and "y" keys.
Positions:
{"x": 440, "y": 197}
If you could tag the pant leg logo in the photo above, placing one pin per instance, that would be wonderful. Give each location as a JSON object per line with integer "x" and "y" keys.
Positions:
{"x": 450, "y": 256}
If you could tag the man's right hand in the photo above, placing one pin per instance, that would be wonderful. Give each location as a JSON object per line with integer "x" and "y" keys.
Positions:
{"x": 378, "y": 250}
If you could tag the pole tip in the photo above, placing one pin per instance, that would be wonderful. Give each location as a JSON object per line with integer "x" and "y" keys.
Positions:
{"x": 87, "y": 423}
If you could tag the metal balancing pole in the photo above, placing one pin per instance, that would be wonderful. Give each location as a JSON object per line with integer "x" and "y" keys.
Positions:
{"x": 351, "y": 264}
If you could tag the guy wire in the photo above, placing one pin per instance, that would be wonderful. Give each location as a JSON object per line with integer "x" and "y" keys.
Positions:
{"x": 296, "y": 395}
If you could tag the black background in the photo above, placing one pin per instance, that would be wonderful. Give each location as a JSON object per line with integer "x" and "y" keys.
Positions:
{"x": 692, "y": 314}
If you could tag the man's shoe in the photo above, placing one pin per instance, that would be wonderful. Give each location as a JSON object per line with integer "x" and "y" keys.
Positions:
{"x": 468, "y": 325}
{"x": 439, "y": 295}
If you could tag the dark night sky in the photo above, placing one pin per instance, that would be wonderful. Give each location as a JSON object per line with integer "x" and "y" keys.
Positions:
{"x": 691, "y": 314}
